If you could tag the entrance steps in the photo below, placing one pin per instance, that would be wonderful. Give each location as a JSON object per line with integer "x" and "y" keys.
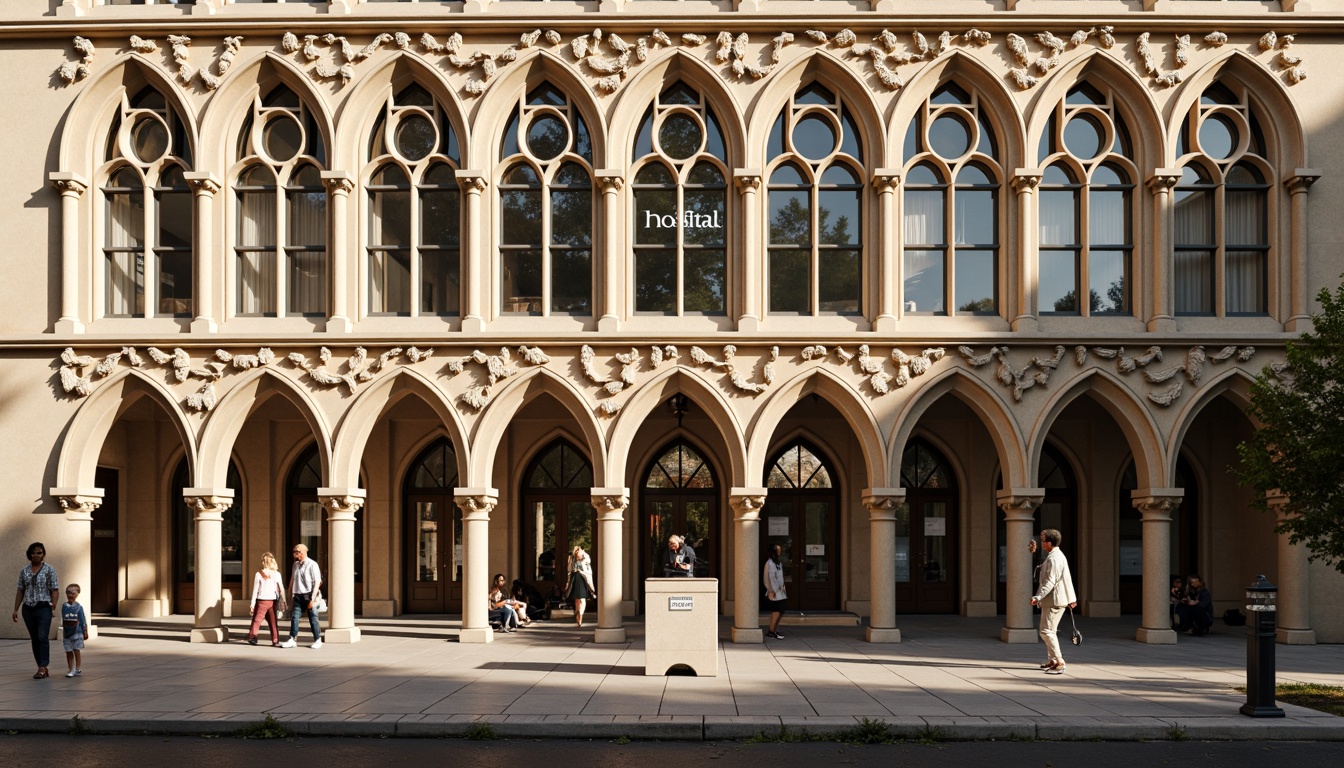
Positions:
{"x": 815, "y": 619}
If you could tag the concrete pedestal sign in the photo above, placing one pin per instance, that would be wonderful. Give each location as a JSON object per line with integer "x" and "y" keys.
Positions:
{"x": 681, "y": 626}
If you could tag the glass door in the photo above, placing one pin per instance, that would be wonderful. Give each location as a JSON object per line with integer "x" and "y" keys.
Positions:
{"x": 679, "y": 497}
{"x": 926, "y": 534}
{"x": 433, "y": 533}
{"x": 799, "y": 515}
{"x": 557, "y": 515}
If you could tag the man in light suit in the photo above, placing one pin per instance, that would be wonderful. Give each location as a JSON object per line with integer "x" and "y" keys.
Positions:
{"x": 1053, "y": 595}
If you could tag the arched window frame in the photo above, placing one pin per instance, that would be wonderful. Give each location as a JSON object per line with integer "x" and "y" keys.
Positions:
{"x": 695, "y": 260}
{"x": 282, "y": 265}
{"x": 414, "y": 265}
{"x": 1232, "y": 266}
{"x": 1073, "y": 201}
{"x": 562, "y": 258}
{"x": 147, "y": 231}
{"x": 926, "y": 256}
{"x": 834, "y": 269}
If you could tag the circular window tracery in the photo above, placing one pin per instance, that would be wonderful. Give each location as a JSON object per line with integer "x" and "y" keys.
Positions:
{"x": 282, "y": 137}
{"x": 149, "y": 138}
{"x": 680, "y": 136}
{"x": 416, "y": 136}
{"x": 547, "y": 136}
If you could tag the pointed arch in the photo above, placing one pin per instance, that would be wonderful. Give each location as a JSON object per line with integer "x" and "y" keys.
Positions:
{"x": 1130, "y": 414}
{"x": 369, "y": 407}
{"x": 87, "y": 124}
{"x": 230, "y": 106}
{"x": 1234, "y": 384}
{"x": 959, "y": 67}
{"x": 229, "y": 417}
{"x": 1274, "y": 108}
{"x": 822, "y": 66}
{"x": 501, "y": 100}
{"x": 667, "y": 67}
{"x": 88, "y": 430}
{"x": 1135, "y": 103}
{"x": 653, "y": 394}
{"x": 994, "y": 415}
{"x": 829, "y": 386}
{"x": 504, "y": 405}
{"x": 357, "y": 115}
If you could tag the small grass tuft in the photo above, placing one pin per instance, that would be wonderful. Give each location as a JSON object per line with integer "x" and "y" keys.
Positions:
{"x": 78, "y": 727}
{"x": 929, "y": 735}
{"x": 1176, "y": 732}
{"x": 867, "y": 732}
{"x": 621, "y": 740}
{"x": 481, "y": 732}
{"x": 270, "y": 728}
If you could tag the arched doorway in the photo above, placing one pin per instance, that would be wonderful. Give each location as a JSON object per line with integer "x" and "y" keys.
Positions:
{"x": 1059, "y": 510}
{"x": 801, "y": 515}
{"x": 433, "y": 538}
{"x": 306, "y": 521}
{"x": 557, "y": 514}
{"x": 679, "y": 495}
{"x": 1184, "y": 535}
{"x": 926, "y": 533}
{"x": 184, "y": 540}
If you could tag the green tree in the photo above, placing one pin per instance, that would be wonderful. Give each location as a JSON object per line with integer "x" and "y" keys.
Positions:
{"x": 1299, "y": 448}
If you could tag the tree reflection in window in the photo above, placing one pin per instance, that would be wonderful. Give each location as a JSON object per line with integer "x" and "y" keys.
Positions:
{"x": 815, "y": 195}
{"x": 951, "y": 220}
{"x": 798, "y": 467}
{"x": 681, "y": 207}
{"x": 414, "y": 208}
{"x": 546, "y": 203}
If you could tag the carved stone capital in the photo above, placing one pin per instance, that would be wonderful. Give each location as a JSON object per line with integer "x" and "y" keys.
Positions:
{"x": 202, "y": 183}
{"x": 1301, "y": 180}
{"x": 1020, "y": 504}
{"x": 746, "y": 502}
{"x": 341, "y": 503}
{"x": 472, "y": 182}
{"x": 747, "y": 180}
{"x": 79, "y": 506}
{"x": 1164, "y": 180}
{"x": 1155, "y": 505}
{"x": 208, "y": 503}
{"x": 886, "y": 180}
{"x": 68, "y": 184}
{"x": 883, "y": 503}
{"x": 610, "y": 500}
{"x": 1026, "y": 180}
{"x": 338, "y": 183}
{"x": 610, "y": 182}
{"x": 476, "y": 503}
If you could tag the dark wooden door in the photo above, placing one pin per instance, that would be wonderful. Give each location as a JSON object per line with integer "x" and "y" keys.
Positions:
{"x": 434, "y": 556}
{"x": 804, "y": 524}
{"x": 926, "y": 554}
{"x": 102, "y": 594}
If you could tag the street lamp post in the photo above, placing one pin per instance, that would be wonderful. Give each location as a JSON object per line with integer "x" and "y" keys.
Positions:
{"x": 1260, "y": 638}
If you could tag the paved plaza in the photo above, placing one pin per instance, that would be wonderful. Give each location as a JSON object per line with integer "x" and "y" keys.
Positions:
{"x": 410, "y": 676}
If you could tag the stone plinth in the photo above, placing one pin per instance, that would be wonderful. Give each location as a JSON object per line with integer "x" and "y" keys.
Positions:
{"x": 681, "y": 625}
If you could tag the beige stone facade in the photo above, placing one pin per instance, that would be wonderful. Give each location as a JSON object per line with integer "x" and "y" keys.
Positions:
{"x": 446, "y": 289}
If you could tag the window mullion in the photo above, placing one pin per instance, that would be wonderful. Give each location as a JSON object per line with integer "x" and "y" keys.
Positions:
{"x": 546, "y": 242}
{"x": 681, "y": 250}
{"x": 1220, "y": 250}
{"x": 414, "y": 253}
{"x": 281, "y": 249}
{"x": 814, "y": 240}
{"x": 1083, "y": 210}
{"x": 148, "y": 252}
{"x": 949, "y": 249}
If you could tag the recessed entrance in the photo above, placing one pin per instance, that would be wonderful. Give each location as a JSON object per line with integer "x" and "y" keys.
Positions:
{"x": 557, "y": 514}
{"x": 1184, "y": 535}
{"x": 800, "y": 515}
{"x": 183, "y": 519}
{"x": 306, "y": 523}
{"x": 433, "y": 532}
{"x": 926, "y": 533}
{"x": 1059, "y": 510}
{"x": 680, "y": 495}
{"x": 102, "y": 593}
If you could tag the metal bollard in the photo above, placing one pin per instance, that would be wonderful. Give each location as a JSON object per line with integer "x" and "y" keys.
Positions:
{"x": 1260, "y": 639}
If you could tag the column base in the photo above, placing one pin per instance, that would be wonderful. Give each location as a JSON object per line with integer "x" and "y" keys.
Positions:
{"x": 339, "y": 324}
{"x": 347, "y": 635}
{"x": 748, "y": 635}
{"x": 1162, "y": 325}
{"x": 884, "y": 324}
{"x": 1026, "y": 323}
{"x": 66, "y": 326}
{"x": 1019, "y": 636}
{"x": 204, "y": 325}
{"x": 209, "y": 634}
{"x": 878, "y": 635}
{"x": 1156, "y": 636}
{"x": 609, "y": 635}
{"x": 486, "y": 635}
{"x": 471, "y": 323}
{"x": 608, "y": 324}
{"x": 1296, "y": 636}
{"x": 748, "y": 324}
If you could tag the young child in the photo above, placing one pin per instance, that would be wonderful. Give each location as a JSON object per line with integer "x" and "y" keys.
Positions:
{"x": 74, "y": 630}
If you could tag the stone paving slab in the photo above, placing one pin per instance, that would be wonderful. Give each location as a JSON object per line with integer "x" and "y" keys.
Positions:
{"x": 950, "y": 679}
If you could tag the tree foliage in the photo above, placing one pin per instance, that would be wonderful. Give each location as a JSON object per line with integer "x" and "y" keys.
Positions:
{"x": 1299, "y": 448}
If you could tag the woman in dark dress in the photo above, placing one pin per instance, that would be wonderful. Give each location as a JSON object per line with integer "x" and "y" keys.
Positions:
{"x": 580, "y": 582}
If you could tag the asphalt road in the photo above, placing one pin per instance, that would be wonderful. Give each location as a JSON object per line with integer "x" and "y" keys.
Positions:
{"x": 38, "y": 751}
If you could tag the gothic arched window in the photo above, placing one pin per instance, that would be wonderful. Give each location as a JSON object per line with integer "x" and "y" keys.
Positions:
{"x": 546, "y": 206}
{"x": 281, "y": 247}
{"x": 1086, "y": 210}
{"x": 1222, "y": 208}
{"x": 414, "y": 211}
{"x": 951, "y": 221}
{"x": 147, "y": 242}
{"x": 815, "y": 194}
{"x": 681, "y": 207}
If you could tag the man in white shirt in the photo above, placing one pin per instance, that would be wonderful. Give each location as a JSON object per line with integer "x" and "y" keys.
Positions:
{"x": 1053, "y": 595}
{"x": 305, "y": 586}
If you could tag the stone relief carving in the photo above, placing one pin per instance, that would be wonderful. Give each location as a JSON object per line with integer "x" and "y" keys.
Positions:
{"x": 349, "y": 56}
{"x": 630, "y": 365}
{"x": 231, "y": 46}
{"x": 72, "y": 71}
{"x": 875, "y": 367}
{"x": 141, "y": 45}
{"x": 700, "y": 357}
{"x": 181, "y": 45}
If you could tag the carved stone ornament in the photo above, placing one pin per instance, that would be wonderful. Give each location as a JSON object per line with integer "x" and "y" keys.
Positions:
{"x": 477, "y": 505}
{"x": 746, "y": 503}
{"x": 883, "y": 506}
{"x": 209, "y": 505}
{"x": 1021, "y": 505}
{"x": 736, "y": 377}
{"x": 79, "y": 504}
{"x": 348, "y": 504}
{"x": 72, "y": 71}
{"x": 630, "y": 364}
{"x": 1157, "y": 507}
{"x": 610, "y": 503}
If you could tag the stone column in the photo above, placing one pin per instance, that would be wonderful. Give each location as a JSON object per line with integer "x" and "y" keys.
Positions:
{"x": 339, "y": 186}
{"x": 204, "y": 186}
{"x": 613, "y": 251}
{"x": 475, "y": 262}
{"x": 884, "y": 504}
{"x": 1155, "y": 505}
{"x": 753, "y": 250}
{"x": 476, "y": 504}
{"x": 1294, "y": 582}
{"x": 71, "y": 186}
{"x": 1163, "y": 317}
{"x": 1299, "y": 318}
{"x": 209, "y": 505}
{"x": 341, "y": 504}
{"x": 1019, "y": 511}
{"x": 746, "y": 504}
{"x": 610, "y": 504}
{"x": 77, "y": 541}
{"x": 887, "y": 180}
{"x": 1025, "y": 182}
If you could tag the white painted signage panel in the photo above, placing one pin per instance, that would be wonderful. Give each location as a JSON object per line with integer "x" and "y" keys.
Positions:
{"x": 777, "y": 526}
{"x": 815, "y": 550}
{"x": 681, "y": 603}
{"x": 935, "y": 526}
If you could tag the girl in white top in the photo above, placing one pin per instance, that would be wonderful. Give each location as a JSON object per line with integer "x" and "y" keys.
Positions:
{"x": 772, "y": 578}
{"x": 268, "y": 596}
